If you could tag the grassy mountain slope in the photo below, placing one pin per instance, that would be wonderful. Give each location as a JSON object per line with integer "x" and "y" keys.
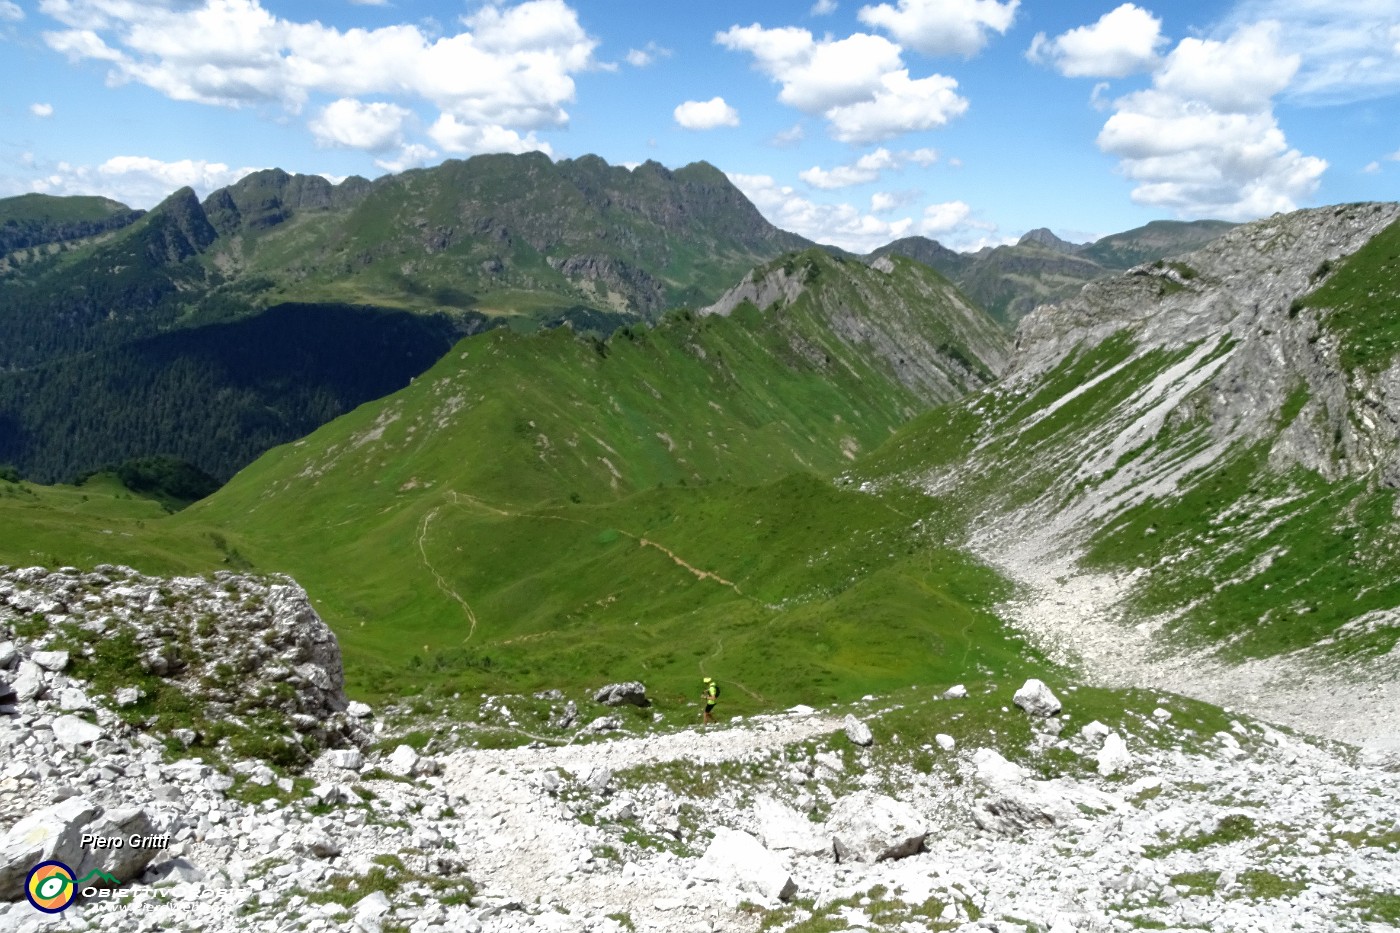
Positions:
{"x": 101, "y": 522}
{"x": 550, "y": 509}
{"x": 30, "y": 221}
{"x": 1195, "y": 431}
{"x": 518, "y": 235}
{"x": 546, "y": 507}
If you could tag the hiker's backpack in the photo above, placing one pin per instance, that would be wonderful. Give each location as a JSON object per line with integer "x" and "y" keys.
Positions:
{"x": 715, "y": 685}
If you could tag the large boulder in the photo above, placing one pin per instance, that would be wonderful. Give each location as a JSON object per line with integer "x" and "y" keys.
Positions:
{"x": 347, "y": 758}
{"x": 1010, "y": 802}
{"x": 52, "y": 833}
{"x": 870, "y": 827}
{"x": 70, "y": 732}
{"x": 632, "y": 693}
{"x": 1114, "y": 756}
{"x": 131, "y": 825}
{"x": 50, "y": 660}
{"x": 29, "y": 682}
{"x": 741, "y": 860}
{"x": 857, "y": 731}
{"x": 401, "y": 761}
{"x": 1036, "y": 699}
{"x": 781, "y": 828}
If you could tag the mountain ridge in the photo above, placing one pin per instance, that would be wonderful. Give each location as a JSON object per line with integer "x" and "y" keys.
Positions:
{"x": 503, "y": 239}
{"x": 1011, "y": 281}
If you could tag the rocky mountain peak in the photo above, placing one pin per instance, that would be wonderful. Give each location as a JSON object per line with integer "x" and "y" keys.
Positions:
{"x": 1042, "y": 236}
{"x": 266, "y": 198}
{"x": 177, "y": 228}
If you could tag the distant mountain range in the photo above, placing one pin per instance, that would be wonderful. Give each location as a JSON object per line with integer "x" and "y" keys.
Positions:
{"x": 322, "y": 296}
{"x": 1009, "y": 282}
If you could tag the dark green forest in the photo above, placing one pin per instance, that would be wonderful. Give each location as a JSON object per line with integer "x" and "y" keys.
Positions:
{"x": 215, "y": 396}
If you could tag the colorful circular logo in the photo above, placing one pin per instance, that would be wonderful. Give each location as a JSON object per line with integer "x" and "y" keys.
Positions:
{"x": 50, "y": 887}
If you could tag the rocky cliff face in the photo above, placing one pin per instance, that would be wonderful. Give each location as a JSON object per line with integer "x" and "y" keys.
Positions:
{"x": 176, "y": 229}
{"x": 1238, "y": 302}
{"x": 223, "y": 667}
{"x": 270, "y": 197}
{"x": 895, "y": 312}
{"x": 1194, "y": 482}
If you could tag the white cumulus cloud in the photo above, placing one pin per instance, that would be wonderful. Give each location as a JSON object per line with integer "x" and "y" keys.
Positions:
{"x": 706, "y": 114}
{"x": 413, "y": 155}
{"x": 862, "y": 171}
{"x": 508, "y": 72}
{"x": 868, "y": 168}
{"x": 823, "y": 8}
{"x": 1238, "y": 75}
{"x": 1203, "y": 140}
{"x": 138, "y": 181}
{"x": 816, "y": 75}
{"x": 10, "y": 12}
{"x": 462, "y": 138}
{"x": 882, "y": 202}
{"x": 41, "y": 109}
{"x": 842, "y": 225}
{"x": 1349, "y": 50}
{"x": 858, "y": 83}
{"x": 353, "y": 124}
{"x": 1123, "y": 41}
{"x": 788, "y": 137}
{"x": 198, "y": 174}
{"x": 901, "y": 105}
{"x": 942, "y": 27}
{"x": 942, "y": 219}
{"x": 641, "y": 58}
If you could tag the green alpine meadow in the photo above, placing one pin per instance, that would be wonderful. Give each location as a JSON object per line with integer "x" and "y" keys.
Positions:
{"x": 820, "y": 476}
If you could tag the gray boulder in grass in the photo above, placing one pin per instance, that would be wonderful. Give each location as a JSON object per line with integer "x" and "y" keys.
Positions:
{"x": 1036, "y": 699}
{"x": 631, "y": 693}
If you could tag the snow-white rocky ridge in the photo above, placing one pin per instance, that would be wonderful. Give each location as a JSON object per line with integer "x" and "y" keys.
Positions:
{"x": 963, "y": 812}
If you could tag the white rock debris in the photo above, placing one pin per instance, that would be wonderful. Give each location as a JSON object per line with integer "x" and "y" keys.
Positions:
{"x": 768, "y": 821}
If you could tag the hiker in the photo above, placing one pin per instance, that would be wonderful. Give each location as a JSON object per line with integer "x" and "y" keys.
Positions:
{"x": 709, "y": 695}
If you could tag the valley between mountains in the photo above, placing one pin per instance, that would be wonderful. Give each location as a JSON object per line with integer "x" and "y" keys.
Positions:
{"x": 1086, "y": 625}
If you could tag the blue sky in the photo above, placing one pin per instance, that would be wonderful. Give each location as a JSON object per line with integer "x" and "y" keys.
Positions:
{"x": 970, "y": 121}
